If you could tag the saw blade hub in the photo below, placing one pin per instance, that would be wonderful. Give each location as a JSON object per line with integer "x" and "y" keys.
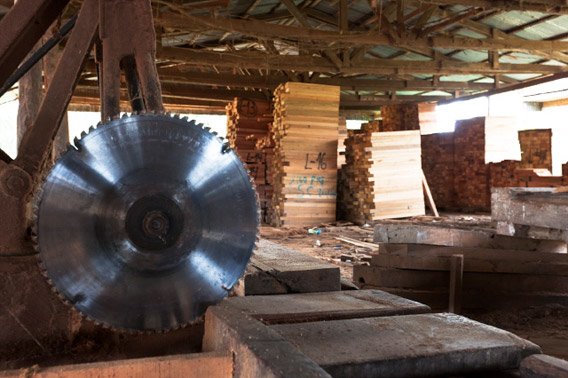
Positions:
{"x": 154, "y": 222}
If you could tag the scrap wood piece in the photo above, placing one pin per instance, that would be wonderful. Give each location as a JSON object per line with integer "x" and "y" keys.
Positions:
{"x": 358, "y": 243}
{"x": 429, "y": 195}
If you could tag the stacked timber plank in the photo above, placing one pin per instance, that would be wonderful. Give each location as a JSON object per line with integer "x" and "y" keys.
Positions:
{"x": 382, "y": 177}
{"x": 248, "y": 132}
{"x": 342, "y": 129}
{"x": 400, "y": 117}
{"x": 427, "y": 118}
{"x": 471, "y": 184}
{"x": 504, "y": 174}
{"x": 498, "y": 271}
{"x": 462, "y": 166}
{"x": 536, "y": 147}
{"x": 438, "y": 166}
{"x": 305, "y": 154}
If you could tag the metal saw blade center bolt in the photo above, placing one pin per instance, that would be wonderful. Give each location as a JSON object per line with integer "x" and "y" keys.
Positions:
{"x": 154, "y": 222}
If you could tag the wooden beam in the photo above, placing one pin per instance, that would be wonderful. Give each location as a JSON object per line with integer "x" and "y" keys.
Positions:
{"x": 543, "y": 6}
{"x": 512, "y": 87}
{"x": 364, "y": 66}
{"x": 260, "y": 29}
{"x": 450, "y": 21}
{"x": 532, "y": 23}
{"x": 173, "y": 76}
{"x": 298, "y": 15}
{"x": 343, "y": 16}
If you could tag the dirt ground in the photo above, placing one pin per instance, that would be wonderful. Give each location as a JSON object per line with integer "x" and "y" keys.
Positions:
{"x": 546, "y": 326}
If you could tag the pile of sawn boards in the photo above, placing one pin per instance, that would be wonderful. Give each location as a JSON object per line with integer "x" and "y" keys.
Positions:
{"x": 305, "y": 154}
{"x": 382, "y": 176}
{"x": 498, "y": 271}
{"x": 248, "y": 129}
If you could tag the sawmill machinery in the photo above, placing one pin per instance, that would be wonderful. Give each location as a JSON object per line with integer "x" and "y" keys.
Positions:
{"x": 146, "y": 220}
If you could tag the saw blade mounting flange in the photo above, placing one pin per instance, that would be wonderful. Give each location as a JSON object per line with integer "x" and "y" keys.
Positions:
{"x": 146, "y": 222}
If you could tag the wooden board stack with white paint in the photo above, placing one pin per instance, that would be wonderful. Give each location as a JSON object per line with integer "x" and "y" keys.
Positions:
{"x": 382, "y": 177}
{"x": 305, "y": 154}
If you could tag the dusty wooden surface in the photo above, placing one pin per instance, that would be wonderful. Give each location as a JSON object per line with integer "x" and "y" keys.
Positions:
{"x": 214, "y": 364}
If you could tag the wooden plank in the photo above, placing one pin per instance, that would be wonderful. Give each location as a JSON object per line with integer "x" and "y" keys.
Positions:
{"x": 472, "y": 281}
{"x": 429, "y": 195}
{"x": 217, "y": 364}
{"x": 456, "y": 283}
{"x": 399, "y": 232}
{"x": 537, "y": 207}
{"x": 490, "y": 262}
{"x": 398, "y": 346}
{"x": 275, "y": 269}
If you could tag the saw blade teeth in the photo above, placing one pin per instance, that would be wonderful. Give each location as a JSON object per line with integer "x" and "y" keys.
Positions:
{"x": 226, "y": 148}
{"x": 78, "y": 141}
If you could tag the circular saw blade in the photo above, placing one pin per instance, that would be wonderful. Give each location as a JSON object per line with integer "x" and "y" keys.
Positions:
{"x": 147, "y": 223}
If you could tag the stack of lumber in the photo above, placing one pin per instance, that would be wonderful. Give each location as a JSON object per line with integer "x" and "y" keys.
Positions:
{"x": 305, "y": 154}
{"x": 498, "y": 271}
{"x": 536, "y": 147}
{"x": 382, "y": 177}
{"x": 428, "y": 118}
{"x": 438, "y": 166}
{"x": 248, "y": 132}
{"x": 504, "y": 174}
{"x": 400, "y": 117}
{"x": 458, "y": 165}
{"x": 471, "y": 186}
{"x": 372, "y": 126}
{"x": 342, "y": 128}
{"x": 501, "y": 139}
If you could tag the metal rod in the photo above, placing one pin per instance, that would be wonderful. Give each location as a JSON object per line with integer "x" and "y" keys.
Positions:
{"x": 38, "y": 55}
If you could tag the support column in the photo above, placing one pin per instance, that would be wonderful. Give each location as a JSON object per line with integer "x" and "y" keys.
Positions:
{"x": 49, "y": 65}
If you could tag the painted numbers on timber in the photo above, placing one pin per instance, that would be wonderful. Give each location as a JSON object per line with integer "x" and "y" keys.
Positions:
{"x": 317, "y": 161}
{"x": 311, "y": 186}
